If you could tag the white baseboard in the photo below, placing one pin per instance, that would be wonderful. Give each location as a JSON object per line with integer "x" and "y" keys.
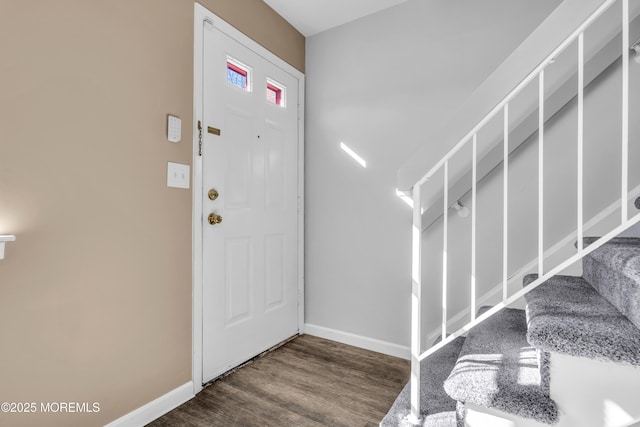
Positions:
{"x": 155, "y": 409}
{"x": 367, "y": 343}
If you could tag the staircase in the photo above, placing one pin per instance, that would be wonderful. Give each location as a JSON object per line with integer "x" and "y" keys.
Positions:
{"x": 562, "y": 350}
{"x": 514, "y": 368}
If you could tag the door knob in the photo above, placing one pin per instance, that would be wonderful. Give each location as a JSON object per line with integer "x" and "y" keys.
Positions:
{"x": 214, "y": 218}
{"x": 213, "y": 194}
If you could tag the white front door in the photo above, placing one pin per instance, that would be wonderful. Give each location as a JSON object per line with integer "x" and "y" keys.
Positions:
{"x": 250, "y": 252}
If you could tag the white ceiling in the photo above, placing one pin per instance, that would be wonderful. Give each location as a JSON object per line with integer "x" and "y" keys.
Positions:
{"x": 314, "y": 16}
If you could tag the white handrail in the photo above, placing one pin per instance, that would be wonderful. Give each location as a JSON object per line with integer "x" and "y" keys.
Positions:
{"x": 416, "y": 336}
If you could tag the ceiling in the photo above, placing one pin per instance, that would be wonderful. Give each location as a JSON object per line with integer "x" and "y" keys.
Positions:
{"x": 314, "y": 16}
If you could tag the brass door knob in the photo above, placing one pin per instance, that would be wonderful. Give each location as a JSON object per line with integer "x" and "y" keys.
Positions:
{"x": 214, "y": 218}
{"x": 213, "y": 194}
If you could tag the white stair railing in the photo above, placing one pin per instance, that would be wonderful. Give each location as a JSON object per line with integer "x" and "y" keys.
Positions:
{"x": 503, "y": 107}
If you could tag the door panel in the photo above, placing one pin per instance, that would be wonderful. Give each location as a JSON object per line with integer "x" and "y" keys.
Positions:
{"x": 274, "y": 271}
{"x": 273, "y": 188}
{"x": 237, "y": 280}
{"x": 250, "y": 259}
{"x": 238, "y": 167}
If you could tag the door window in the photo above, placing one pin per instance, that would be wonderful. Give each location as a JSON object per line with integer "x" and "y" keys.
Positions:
{"x": 238, "y": 74}
{"x": 275, "y": 93}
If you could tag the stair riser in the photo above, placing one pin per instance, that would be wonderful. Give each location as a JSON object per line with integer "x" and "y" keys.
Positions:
{"x": 593, "y": 393}
{"x": 621, "y": 291}
{"x": 479, "y": 416}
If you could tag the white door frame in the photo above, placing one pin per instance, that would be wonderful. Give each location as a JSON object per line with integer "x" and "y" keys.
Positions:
{"x": 202, "y": 16}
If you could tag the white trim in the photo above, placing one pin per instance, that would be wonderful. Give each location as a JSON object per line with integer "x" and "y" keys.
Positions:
{"x": 457, "y": 321}
{"x": 301, "y": 200}
{"x": 202, "y": 16}
{"x": 360, "y": 341}
{"x": 196, "y": 324}
{"x": 156, "y": 408}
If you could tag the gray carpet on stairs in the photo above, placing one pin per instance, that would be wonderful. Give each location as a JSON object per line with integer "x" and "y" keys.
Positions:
{"x": 567, "y": 315}
{"x": 623, "y": 240}
{"x": 438, "y": 409}
{"x": 499, "y": 369}
{"x": 614, "y": 271}
{"x": 504, "y": 363}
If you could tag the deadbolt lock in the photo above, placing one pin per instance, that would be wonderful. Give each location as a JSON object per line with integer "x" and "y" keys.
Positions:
{"x": 214, "y": 218}
{"x": 213, "y": 194}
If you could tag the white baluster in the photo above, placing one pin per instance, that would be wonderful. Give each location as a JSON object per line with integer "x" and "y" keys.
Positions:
{"x": 580, "y": 232}
{"x": 474, "y": 178}
{"x": 625, "y": 110}
{"x": 541, "y": 174}
{"x": 445, "y": 249}
{"x": 416, "y": 304}
{"x": 505, "y": 208}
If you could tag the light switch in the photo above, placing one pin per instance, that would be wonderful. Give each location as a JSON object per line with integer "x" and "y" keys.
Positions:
{"x": 177, "y": 175}
{"x": 174, "y": 128}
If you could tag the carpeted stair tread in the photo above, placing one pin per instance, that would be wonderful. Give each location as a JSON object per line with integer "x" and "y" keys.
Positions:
{"x": 614, "y": 271}
{"x": 567, "y": 315}
{"x": 620, "y": 256}
{"x": 437, "y": 408}
{"x": 497, "y": 368}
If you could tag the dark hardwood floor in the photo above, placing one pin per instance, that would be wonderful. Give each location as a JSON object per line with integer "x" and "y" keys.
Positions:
{"x": 307, "y": 382}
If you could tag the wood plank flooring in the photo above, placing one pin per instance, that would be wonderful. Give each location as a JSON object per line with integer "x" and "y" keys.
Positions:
{"x": 309, "y": 381}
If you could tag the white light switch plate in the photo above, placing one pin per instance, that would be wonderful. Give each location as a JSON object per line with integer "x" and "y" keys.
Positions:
{"x": 177, "y": 175}
{"x": 174, "y": 128}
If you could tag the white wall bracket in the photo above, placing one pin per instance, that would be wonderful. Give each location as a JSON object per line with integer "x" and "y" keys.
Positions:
{"x": 3, "y": 239}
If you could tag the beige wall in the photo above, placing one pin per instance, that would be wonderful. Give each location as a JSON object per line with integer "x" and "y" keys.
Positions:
{"x": 95, "y": 294}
